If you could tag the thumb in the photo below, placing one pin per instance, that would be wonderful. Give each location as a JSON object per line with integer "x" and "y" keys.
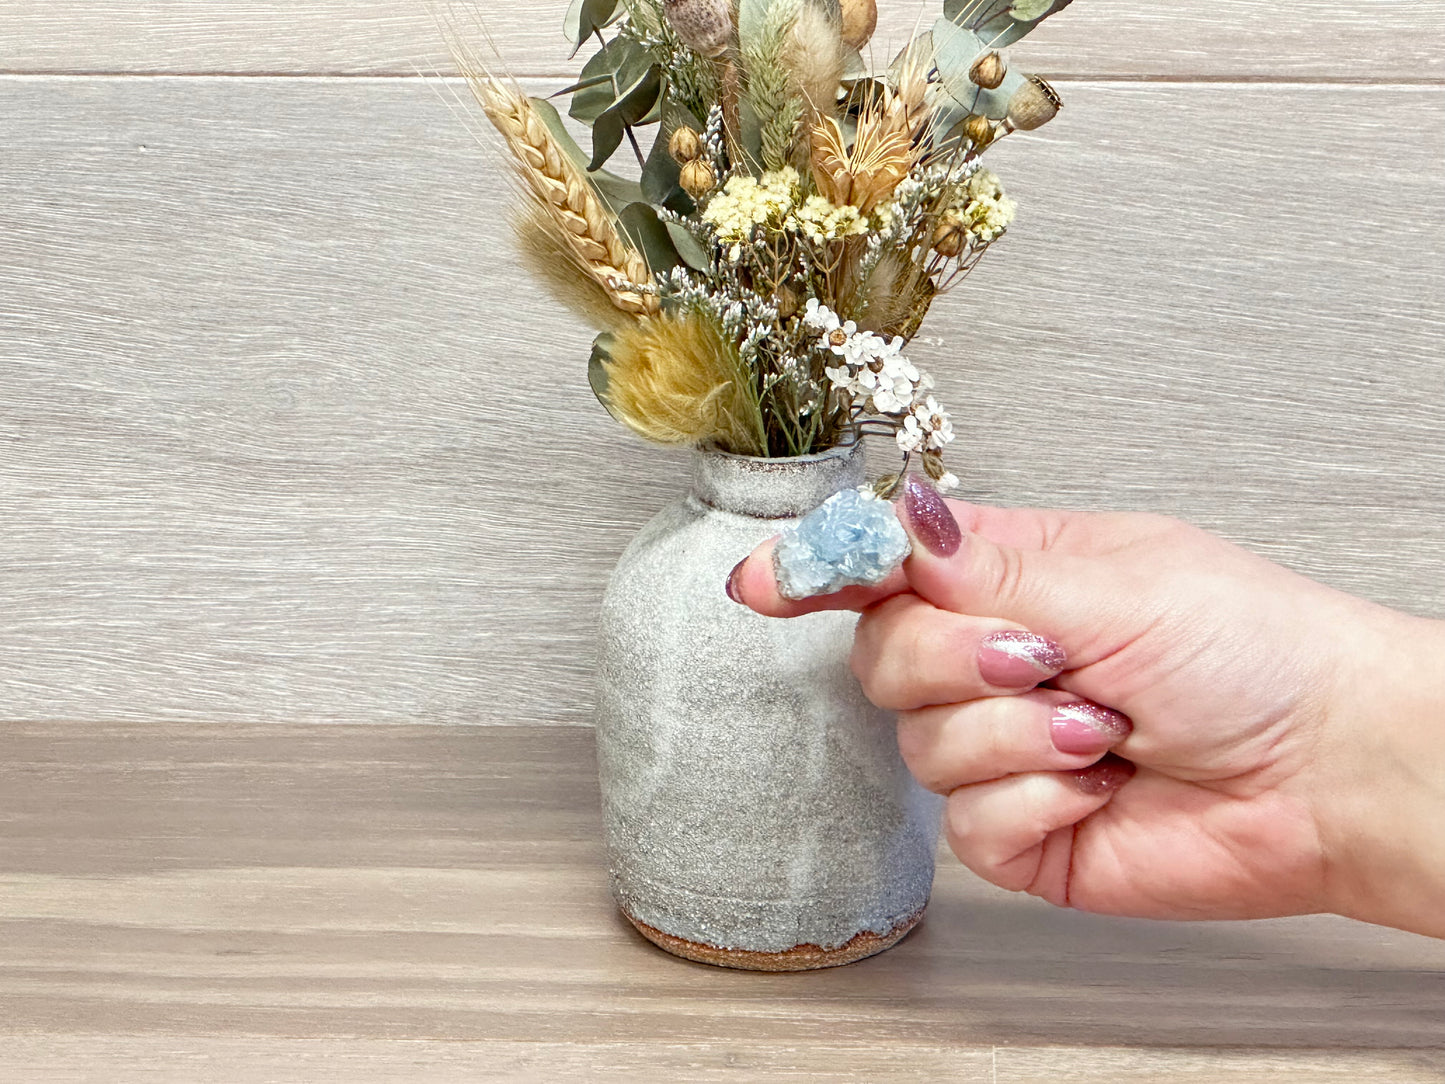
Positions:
{"x": 1039, "y": 568}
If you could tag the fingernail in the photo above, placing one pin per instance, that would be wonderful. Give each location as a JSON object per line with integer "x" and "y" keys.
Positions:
{"x": 933, "y": 524}
{"x": 1087, "y": 728}
{"x": 732, "y": 584}
{"x": 1107, "y": 775}
{"x": 1015, "y": 660}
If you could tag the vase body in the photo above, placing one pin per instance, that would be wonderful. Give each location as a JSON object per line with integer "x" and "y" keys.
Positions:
{"x": 757, "y": 811}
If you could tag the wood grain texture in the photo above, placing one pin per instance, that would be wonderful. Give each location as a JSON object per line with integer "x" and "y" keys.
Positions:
{"x": 224, "y": 902}
{"x": 1373, "y": 41}
{"x": 290, "y": 435}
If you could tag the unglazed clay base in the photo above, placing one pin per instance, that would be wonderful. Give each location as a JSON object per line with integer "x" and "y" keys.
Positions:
{"x": 797, "y": 958}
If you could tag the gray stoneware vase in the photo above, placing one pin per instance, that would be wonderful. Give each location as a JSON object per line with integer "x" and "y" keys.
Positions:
{"x": 757, "y": 812}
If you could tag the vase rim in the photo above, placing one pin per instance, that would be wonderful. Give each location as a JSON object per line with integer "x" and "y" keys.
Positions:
{"x": 842, "y": 448}
{"x": 774, "y": 487}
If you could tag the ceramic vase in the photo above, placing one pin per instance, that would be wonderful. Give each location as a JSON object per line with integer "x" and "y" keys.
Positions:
{"x": 757, "y": 812}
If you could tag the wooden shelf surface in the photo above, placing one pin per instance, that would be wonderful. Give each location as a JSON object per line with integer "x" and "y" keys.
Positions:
{"x": 196, "y": 902}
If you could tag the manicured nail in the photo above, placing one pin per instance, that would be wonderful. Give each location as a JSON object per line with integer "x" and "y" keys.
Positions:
{"x": 1016, "y": 660}
{"x": 1087, "y": 728}
{"x": 732, "y": 584}
{"x": 932, "y": 523}
{"x": 1107, "y": 775}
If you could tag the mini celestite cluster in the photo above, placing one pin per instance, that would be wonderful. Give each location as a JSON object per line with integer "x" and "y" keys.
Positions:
{"x": 851, "y": 539}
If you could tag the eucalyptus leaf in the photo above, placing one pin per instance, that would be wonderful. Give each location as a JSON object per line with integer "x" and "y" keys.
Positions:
{"x": 618, "y": 64}
{"x": 614, "y": 191}
{"x": 634, "y": 105}
{"x": 955, "y": 50}
{"x": 1000, "y": 23}
{"x": 586, "y": 17}
{"x": 607, "y": 133}
{"x": 649, "y": 236}
{"x": 688, "y": 247}
{"x": 597, "y": 370}
{"x": 638, "y": 100}
{"x": 1030, "y": 10}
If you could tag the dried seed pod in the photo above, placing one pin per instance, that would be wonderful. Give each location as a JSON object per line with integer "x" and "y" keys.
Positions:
{"x": 949, "y": 237}
{"x": 685, "y": 145}
{"x": 787, "y": 300}
{"x": 988, "y": 71}
{"x": 705, "y": 26}
{"x": 860, "y": 19}
{"x": 698, "y": 178}
{"x": 980, "y": 130}
{"x": 1033, "y": 105}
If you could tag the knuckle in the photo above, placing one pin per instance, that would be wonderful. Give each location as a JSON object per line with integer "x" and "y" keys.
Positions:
{"x": 919, "y": 744}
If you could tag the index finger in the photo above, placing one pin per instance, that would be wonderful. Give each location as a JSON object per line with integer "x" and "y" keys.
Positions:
{"x": 753, "y": 584}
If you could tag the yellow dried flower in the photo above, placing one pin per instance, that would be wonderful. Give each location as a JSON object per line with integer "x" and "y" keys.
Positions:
{"x": 987, "y": 212}
{"x": 746, "y": 202}
{"x": 820, "y": 220}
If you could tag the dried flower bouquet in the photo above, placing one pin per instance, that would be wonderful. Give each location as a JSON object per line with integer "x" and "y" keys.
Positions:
{"x": 794, "y": 214}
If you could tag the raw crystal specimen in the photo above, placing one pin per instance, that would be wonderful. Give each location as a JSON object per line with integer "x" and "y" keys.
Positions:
{"x": 852, "y": 538}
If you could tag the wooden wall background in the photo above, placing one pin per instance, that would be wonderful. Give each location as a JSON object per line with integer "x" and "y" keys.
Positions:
{"x": 288, "y": 435}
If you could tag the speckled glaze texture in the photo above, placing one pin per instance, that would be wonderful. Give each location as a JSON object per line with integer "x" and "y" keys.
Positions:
{"x": 754, "y": 800}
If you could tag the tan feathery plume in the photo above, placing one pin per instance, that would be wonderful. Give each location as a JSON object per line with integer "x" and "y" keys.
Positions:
{"x": 814, "y": 54}
{"x": 677, "y": 379}
{"x": 588, "y": 231}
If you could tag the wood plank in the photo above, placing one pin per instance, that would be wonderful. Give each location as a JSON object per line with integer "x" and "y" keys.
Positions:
{"x": 147, "y": 1059}
{"x": 290, "y": 435}
{"x": 185, "y": 899}
{"x": 1383, "y": 41}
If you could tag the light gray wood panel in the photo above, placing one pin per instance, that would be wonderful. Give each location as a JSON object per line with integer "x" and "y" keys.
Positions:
{"x": 291, "y": 436}
{"x": 175, "y": 895}
{"x": 1374, "y": 41}
{"x": 203, "y": 1060}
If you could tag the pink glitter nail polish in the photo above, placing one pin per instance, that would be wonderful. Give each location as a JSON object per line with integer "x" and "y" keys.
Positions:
{"x": 1087, "y": 728}
{"x": 931, "y": 521}
{"x": 1107, "y": 775}
{"x": 1017, "y": 660}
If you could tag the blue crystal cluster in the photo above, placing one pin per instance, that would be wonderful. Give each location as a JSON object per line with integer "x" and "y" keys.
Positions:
{"x": 852, "y": 538}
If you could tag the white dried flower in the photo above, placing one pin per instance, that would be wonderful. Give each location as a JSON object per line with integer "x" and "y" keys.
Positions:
{"x": 819, "y": 317}
{"x": 928, "y": 427}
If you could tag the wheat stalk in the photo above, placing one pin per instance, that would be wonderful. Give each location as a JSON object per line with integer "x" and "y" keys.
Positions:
{"x": 589, "y": 231}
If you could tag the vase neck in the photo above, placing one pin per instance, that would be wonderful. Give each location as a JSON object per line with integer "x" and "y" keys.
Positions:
{"x": 774, "y": 488}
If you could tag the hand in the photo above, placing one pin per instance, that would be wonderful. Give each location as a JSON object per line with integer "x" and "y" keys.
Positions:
{"x": 1134, "y": 717}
